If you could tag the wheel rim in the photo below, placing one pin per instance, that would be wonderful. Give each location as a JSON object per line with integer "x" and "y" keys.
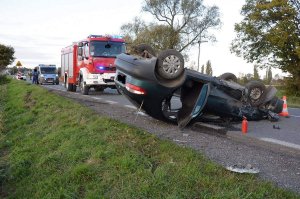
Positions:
{"x": 171, "y": 64}
{"x": 255, "y": 93}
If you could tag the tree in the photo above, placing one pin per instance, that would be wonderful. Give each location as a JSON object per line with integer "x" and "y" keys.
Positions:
{"x": 269, "y": 76}
{"x": 13, "y": 70}
{"x": 193, "y": 65}
{"x": 269, "y": 35}
{"x": 255, "y": 73}
{"x": 202, "y": 69}
{"x": 181, "y": 24}
{"x": 6, "y": 56}
{"x": 208, "y": 69}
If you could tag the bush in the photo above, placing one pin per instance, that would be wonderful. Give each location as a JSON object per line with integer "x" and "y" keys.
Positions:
{"x": 4, "y": 79}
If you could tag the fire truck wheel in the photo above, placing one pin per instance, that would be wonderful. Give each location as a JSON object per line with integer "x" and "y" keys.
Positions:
{"x": 83, "y": 88}
{"x": 99, "y": 88}
{"x": 74, "y": 88}
{"x": 69, "y": 87}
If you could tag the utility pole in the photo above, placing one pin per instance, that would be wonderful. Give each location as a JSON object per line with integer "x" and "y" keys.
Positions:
{"x": 199, "y": 42}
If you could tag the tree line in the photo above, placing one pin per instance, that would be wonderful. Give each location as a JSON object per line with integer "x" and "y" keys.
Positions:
{"x": 268, "y": 35}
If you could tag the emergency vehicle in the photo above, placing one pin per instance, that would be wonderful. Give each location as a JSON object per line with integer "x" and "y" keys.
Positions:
{"x": 90, "y": 63}
{"x": 47, "y": 74}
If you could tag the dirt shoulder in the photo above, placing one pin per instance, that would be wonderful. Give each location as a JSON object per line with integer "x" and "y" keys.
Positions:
{"x": 277, "y": 164}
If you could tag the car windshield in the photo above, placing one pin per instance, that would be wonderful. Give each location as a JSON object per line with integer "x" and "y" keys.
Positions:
{"x": 106, "y": 49}
{"x": 46, "y": 70}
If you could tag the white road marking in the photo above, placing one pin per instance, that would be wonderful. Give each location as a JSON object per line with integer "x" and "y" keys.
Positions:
{"x": 294, "y": 116}
{"x": 130, "y": 106}
{"x": 288, "y": 144}
{"x": 111, "y": 102}
{"x": 98, "y": 98}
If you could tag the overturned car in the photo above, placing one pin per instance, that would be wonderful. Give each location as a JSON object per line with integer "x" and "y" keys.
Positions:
{"x": 164, "y": 89}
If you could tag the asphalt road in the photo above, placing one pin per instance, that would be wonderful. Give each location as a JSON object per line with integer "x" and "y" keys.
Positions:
{"x": 286, "y": 131}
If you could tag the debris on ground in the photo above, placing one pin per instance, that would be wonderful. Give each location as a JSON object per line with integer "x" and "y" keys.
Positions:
{"x": 243, "y": 169}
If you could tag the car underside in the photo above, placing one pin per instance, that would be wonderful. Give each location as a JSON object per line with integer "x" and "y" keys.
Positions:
{"x": 164, "y": 89}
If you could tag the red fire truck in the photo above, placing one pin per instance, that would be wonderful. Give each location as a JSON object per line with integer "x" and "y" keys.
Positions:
{"x": 90, "y": 63}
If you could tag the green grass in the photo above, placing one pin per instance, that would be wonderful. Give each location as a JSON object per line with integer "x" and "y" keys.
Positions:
{"x": 292, "y": 101}
{"x": 52, "y": 147}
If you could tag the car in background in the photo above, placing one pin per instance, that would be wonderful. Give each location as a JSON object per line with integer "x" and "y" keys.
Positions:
{"x": 21, "y": 76}
{"x": 47, "y": 74}
{"x": 164, "y": 89}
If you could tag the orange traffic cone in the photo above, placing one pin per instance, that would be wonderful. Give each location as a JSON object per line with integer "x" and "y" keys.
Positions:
{"x": 284, "y": 112}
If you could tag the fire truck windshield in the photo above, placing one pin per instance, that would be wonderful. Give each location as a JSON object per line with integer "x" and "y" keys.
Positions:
{"x": 106, "y": 49}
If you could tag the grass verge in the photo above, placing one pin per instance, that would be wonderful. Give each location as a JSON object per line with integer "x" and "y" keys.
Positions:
{"x": 292, "y": 101}
{"x": 52, "y": 147}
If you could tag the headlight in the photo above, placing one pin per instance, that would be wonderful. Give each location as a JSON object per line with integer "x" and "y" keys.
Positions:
{"x": 56, "y": 75}
{"x": 42, "y": 75}
{"x": 92, "y": 76}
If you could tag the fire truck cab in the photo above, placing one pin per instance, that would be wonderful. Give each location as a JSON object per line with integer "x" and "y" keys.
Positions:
{"x": 90, "y": 63}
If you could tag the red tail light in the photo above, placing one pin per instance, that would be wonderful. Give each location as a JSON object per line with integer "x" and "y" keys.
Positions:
{"x": 135, "y": 89}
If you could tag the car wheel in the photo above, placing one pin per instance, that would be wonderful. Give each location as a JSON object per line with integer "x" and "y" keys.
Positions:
{"x": 255, "y": 92}
{"x": 228, "y": 77}
{"x": 170, "y": 64}
{"x": 83, "y": 88}
{"x": 144, "y": 50}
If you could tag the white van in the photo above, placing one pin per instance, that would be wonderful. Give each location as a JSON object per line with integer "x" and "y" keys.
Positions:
{"x": 47, "y": 74}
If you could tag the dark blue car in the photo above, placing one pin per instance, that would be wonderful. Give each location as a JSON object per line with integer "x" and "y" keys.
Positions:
{"x": 165, "y": 90}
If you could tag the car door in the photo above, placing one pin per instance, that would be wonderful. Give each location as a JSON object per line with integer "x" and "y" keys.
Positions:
{"x": 193, "y": 98}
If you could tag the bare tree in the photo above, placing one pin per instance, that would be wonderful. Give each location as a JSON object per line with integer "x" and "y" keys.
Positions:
{"x": 185, "y": 21}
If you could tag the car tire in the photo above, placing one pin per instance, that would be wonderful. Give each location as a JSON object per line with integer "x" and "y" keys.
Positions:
{"x": 170, "y": 64}
{"x": 255, "y": 92}
{"x": 144, "y": 50}
{"x": 228, "y": 77}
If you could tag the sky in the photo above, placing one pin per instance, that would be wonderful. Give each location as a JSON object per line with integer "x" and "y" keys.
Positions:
{"x": 39, "y": 29}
